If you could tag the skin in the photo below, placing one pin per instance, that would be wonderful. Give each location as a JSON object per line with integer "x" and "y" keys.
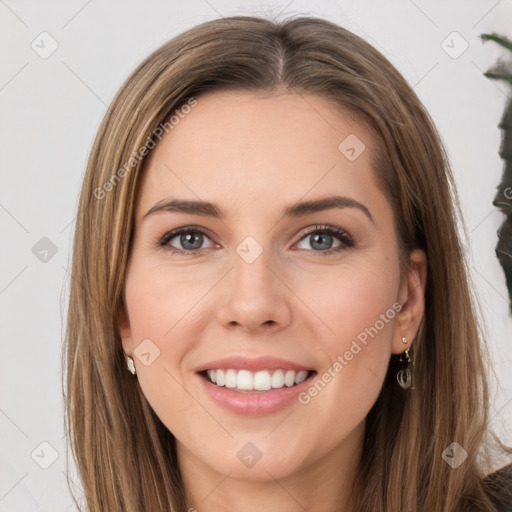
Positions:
{"x": 253, "y": 155}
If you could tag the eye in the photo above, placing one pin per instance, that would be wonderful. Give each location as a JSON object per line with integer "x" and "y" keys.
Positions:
{"x": 189, "y": 240}
{"x": 322, "y": 238}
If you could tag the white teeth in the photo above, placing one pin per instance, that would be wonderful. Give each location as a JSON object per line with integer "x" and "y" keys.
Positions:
{"x": 289, "y": 378}
{"x": 244, "y": 379}
{"x": 262, "y": 380}
{"x": 278, "y": 379}
{"x": 220, "y": 377}
{"x": 230, "y": 378}
{"x": 301, "y": 377}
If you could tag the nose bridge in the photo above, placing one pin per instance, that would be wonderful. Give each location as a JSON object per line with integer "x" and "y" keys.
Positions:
{"x": 254, "y": 296}
{"x": 252, "y": 262}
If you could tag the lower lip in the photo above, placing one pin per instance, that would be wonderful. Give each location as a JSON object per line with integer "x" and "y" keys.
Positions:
{"x": 254, "y": 404}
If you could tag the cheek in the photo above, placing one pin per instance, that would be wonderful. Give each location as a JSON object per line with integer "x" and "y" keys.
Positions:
{"x": 158, "y": 299}
{"x": 158, "y": 303}
{"x": 355, "y": 306}
{"x": 158, "y": 306}
{"x": 349, "y": 299}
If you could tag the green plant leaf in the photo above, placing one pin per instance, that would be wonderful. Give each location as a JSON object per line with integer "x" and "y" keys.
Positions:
{"x": 498, "y": 76}
{"x": 503, "y": 41}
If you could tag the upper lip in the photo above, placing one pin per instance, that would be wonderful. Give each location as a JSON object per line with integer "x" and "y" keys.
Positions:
{"x": 252, "y": 364}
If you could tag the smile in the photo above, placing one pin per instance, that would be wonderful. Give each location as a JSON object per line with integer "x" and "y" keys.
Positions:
{"x": 263, "y": 380}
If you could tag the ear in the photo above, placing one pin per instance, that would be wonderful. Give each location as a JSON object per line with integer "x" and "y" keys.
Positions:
{"x": 412, "y": 298}
{"x": 123, "y": 326}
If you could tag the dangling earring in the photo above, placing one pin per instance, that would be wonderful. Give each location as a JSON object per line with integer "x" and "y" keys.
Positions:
{"x": 404, "y": 375}
{"x": 130, "y": 364}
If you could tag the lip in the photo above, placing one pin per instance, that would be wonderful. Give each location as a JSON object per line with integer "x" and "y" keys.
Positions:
{"x": 253, "y": 364}
{"x": 257, "y": 403}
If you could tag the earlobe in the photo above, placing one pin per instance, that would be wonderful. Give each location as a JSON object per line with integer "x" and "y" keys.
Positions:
{"x": 412, "y": 299}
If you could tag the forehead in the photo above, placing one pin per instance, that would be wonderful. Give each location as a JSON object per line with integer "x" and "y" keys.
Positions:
{"x": 245, "y": 149}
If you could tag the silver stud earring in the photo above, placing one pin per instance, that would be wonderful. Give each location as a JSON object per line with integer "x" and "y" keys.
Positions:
{"x": 130, "y": 364}
{"x": 404, "y": 340}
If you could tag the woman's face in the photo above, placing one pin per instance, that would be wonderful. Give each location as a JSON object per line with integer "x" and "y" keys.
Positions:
{"x": 285, "y": 268}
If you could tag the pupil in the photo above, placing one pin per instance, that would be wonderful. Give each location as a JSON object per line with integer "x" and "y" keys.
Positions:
{"x": 189, "y": 239}
{"x": 319, "y": 238}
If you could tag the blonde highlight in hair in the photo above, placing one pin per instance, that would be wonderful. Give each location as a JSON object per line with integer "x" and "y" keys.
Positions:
{"x": 125, "y": 455}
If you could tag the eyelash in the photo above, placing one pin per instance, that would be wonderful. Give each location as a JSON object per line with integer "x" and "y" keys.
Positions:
{"x": 348, "y": 241}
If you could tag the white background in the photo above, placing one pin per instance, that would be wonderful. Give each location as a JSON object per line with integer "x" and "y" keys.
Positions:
{"x": 51, "y": 109}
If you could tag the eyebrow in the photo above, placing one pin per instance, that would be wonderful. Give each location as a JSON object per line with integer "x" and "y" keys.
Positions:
{"x": 299, "y": 209}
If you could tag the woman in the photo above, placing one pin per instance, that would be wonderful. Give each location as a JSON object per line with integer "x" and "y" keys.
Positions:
{"x": 267, "y": 238}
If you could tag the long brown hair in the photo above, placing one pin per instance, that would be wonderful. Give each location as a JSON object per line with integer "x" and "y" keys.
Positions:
{"x": 124, "y": 454}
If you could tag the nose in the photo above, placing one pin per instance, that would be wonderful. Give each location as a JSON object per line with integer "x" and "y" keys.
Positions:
{"x": 254, "y": 297}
